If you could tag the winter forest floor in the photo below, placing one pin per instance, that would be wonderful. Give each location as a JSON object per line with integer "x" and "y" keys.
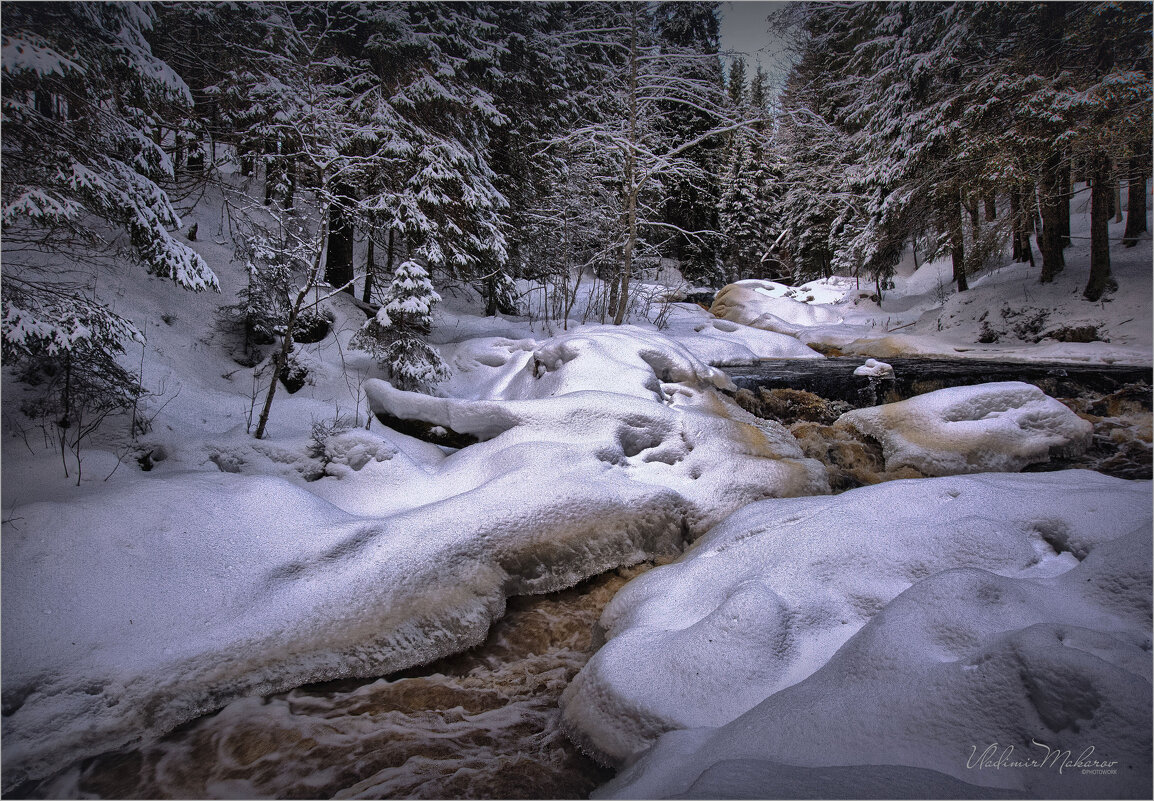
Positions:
{"x": 846, "y": 602}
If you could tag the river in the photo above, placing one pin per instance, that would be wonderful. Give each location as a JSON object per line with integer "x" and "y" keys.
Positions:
{"x": 485, "y": 723}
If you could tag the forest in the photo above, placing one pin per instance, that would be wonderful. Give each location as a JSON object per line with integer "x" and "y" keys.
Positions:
{"x": 538, "y": 399}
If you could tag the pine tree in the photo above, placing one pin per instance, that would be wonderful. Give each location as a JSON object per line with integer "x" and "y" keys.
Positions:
{"x": 395, "y": 336}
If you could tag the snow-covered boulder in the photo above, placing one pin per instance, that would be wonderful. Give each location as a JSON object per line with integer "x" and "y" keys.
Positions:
{"x": 766, "y": 304}
{"x": 767, "y": 598}
{"x": 996, "y": 427}
{"x": 969, "y": 684}
{"x": 875, "y": 369}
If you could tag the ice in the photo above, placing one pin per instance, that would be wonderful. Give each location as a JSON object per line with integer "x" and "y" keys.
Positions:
{"x": 1037, "y": 688}
{"x": 996, "y": 427}
{"x": 767, "y": 598}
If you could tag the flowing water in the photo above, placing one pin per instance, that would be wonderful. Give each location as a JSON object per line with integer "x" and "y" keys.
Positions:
{"x": 485, "y": 723}
{"x": 808, "y": 395}
{"x": 482, "y": 724}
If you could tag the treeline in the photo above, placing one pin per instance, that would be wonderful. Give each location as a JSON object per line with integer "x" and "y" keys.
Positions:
{"x": 960, "y": 128}
{"x": 472, "y": 144}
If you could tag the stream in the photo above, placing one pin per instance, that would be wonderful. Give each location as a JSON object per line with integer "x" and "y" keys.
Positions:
{"x": 485, "y": 723}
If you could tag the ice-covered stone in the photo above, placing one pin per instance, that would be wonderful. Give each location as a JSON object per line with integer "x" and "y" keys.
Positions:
{"x": 875, "y": 369}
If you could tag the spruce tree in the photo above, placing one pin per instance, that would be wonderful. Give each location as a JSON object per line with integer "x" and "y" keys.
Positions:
{"x": 396, "y": 335}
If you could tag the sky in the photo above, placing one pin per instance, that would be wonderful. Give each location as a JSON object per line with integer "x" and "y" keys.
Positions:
{"x": 744, "y": 28}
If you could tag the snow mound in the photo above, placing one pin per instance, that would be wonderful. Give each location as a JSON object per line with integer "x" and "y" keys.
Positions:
{"x": 1032, "y": 687}
{"x": 625, "y": 360}
{"x": 997, "y": 427}
{"x": 767, "y": 598}
{"x": 132, "y": 610}
{"x": 766, "y": 304}
{"x": 724, "y": 342}
{"x": 875, "y": 369}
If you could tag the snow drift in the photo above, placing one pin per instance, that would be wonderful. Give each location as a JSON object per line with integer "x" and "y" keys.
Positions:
{"x": 966, "y": 684}
{"x": 132, "y": 610}
{"x": 768, "y": 597}
{"x": 996, "y": 427}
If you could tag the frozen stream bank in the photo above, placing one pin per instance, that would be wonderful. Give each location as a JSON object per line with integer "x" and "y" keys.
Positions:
{"x": 482, "y": 724}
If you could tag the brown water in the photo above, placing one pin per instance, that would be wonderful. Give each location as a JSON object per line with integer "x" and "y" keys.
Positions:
{"x": 482, "y": 724}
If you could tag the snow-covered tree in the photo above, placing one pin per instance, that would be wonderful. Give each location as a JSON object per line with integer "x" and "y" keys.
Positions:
{"x": 642, "y": 78}
{"x": 85, "y": 107}
{"x": 83, "y": 98}
{"x": 396, "y": 335}
{"x": 941, "y": 107}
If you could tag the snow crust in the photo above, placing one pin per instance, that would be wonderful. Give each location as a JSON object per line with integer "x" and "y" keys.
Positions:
{"x": 769, "y": 597}
{"x": 1035, "y": 687}
{"x": 997, "y": 427}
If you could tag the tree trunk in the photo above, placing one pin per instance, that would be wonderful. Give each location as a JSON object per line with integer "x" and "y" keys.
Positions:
{"x": 991, "y": 207}
{"x": 287, "y": 342}
{"x": 370, "y": 271}
{"x": 1064, "y": 208}
{"x": 1100, "y": 192}
{"x": 631, "y": 178}
{"x": 1052, "y": 198}
{"x": 339, "y": 261}
{"x": 1135, "y": 202}
{"x": 1016, "y": 233}
{"x": 951, "y": 210}
{"x": 975, "y": 254}
{"x": 1116, "y": 196}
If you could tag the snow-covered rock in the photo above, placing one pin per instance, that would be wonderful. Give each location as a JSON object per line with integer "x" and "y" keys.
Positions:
{"x": 969, "y": 684}
{"x": 768, "y": 305}
{"x": 768, "y": 597}
{"x": 875, "y": 369}
{"x": 724, "y": 342}
{"x": 1001, "y": 426}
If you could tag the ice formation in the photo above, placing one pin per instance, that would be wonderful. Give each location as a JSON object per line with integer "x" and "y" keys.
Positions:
{"x": 132, "y": 610}
{"x": 768, "y": 597}
{"x": 969, "y": 684}
{"x": 1002, "y": 426}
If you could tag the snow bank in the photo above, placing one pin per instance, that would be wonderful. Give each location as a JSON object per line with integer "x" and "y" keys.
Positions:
{"x": 129, "y": 611}
{"x": 724, "y": 342}
{"x": 766, "y": 304}
{"x": 997, "y": 427}
{"x": 968, "y": 684}
{"x": 634, "y": 404}
{"x": 768, "y": 597}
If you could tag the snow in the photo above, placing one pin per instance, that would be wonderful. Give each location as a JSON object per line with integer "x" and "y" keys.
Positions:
{"x": 1038, "y": 687}
{"x": 923, "y": 315}
{"x": 801, "y": 617}
{"x": 767, "y": 304}
{"x": 875, "y": 369}
{"x": 155, "y": 602}
{"x": 996, "y": 427}
{"x": 235, "y": 567}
